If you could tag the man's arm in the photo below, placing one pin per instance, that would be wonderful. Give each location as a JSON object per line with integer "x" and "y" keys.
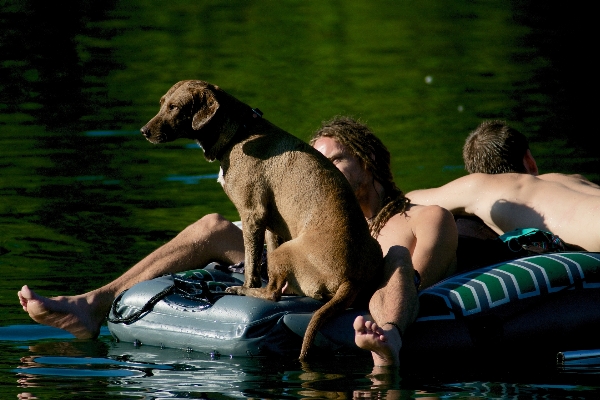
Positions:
{"x": 455, "y": 196}
{"x": 395, "y": 303}
{"x": 429, "y": 233}
{"x": 434, "y": 255}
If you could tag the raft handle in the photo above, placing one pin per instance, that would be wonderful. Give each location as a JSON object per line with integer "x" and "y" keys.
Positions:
{"x": 138, "y": 314}
{"x": 578, "y": 357}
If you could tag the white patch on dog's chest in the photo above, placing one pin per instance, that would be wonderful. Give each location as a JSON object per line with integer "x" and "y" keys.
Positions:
{"x": 221, "y": 178}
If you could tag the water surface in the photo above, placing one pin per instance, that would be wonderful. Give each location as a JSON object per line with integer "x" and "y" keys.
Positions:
{"x": 83, "y": 196}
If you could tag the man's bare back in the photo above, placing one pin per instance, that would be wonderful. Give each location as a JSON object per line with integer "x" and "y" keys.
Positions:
{"x": 564, "y": 205}
{"x": 575, "y": 182}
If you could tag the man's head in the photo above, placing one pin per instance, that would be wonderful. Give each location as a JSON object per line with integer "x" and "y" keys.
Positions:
{"x": 355, "y": 147}
{"x": 495, "y": 148}
{"x": 359, "y": 142}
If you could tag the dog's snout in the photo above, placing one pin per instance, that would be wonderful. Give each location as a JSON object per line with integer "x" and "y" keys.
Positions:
{"x": 145, "y": 131}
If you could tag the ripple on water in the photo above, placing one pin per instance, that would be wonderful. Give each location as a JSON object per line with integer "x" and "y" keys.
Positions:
{"x": 85, "y": 367}
{"x": 23, "y": 333}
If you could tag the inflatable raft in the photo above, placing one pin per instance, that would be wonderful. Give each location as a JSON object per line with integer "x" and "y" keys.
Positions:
{"x": 548, "y": 302}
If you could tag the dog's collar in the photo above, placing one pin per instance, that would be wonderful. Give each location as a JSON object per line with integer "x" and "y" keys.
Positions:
{"x": 256, "y": 113}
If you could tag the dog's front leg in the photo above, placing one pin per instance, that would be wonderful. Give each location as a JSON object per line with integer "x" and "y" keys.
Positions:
{"x": 254, "y": 241}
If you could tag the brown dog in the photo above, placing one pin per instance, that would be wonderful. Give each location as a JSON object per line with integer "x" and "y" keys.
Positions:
{"x": 317, "y": 238}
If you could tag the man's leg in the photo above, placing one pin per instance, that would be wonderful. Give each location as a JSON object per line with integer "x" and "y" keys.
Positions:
{"x": 394, "y": 306}
{"x": 211, "y": 238}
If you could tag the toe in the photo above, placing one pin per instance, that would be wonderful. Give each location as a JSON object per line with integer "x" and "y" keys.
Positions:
{"x": 359, "y": 324}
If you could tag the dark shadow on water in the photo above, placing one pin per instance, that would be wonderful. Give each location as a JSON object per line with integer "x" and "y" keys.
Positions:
{"x": 561, "y": 113}
{"x": 43, "y": 68}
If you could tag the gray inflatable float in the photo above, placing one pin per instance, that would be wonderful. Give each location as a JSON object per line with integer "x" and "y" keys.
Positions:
{"x": 548, "y": 303}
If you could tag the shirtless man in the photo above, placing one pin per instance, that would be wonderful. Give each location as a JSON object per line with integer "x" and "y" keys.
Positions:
{"x": 494, "y": 148}
{"x": 566, "y": 205}
{"x": 411, "y": 235}
{"x": 395, "y": 222}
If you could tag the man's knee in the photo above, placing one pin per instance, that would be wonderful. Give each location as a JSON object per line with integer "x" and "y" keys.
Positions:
{"x": 209, "y": 223}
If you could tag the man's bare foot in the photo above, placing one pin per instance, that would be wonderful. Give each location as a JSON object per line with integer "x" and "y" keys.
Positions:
{"x": 384, "y": 344}
{"x": 75, "y": 314}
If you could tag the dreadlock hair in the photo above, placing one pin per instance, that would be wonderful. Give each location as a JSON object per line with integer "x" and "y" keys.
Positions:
{"x": 495, "y": 148}
{"x": 374, "y": 156}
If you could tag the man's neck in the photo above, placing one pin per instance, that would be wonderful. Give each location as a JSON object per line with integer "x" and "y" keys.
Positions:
{"x": 371, "y": 203}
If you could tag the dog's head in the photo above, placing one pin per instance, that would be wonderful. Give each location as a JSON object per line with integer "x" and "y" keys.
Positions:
{"x": 190, "y": 110}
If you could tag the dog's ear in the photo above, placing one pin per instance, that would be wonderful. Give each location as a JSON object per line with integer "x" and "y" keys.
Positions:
{"x": 208, "y": 108}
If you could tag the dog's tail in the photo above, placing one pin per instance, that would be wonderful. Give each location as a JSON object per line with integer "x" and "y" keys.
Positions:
{"x": 343, "y": 299}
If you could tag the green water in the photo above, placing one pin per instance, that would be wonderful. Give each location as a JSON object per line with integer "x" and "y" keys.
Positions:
{"x": 83, "y": 196}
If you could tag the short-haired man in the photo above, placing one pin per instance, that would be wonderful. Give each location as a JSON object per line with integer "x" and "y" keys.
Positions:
{"x": 505, "y": 191}
{"x": 492, "y": 148}
{"x": 496, "y": 148}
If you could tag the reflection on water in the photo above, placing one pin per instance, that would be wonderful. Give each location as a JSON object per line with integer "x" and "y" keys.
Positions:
{"x": 190, "y": 180}
{"x": 17, "y": 333}
{"x": 111, "y": 133}
{"x": 83, "y": 196}
{"x": 172, "y": 373}
{"x": 53, "y": 365}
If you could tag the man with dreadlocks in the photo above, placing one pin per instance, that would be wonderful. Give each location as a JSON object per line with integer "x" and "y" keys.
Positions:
{"x": 404, "y": 230}
{"x": 412, "y": 237}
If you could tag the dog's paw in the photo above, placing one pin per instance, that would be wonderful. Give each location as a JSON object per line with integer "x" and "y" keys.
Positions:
{"x": 235, "y": 290}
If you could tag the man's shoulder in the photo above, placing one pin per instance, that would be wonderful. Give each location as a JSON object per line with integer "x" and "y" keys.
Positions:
{"x": 499, "y": 177}
{"x": 488, "y": 183}
{"x": 426, "y": 213}
{"x": 466, "y": 182}
{"x": 558, "y": 177}
{"x": 576, "y": 182}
